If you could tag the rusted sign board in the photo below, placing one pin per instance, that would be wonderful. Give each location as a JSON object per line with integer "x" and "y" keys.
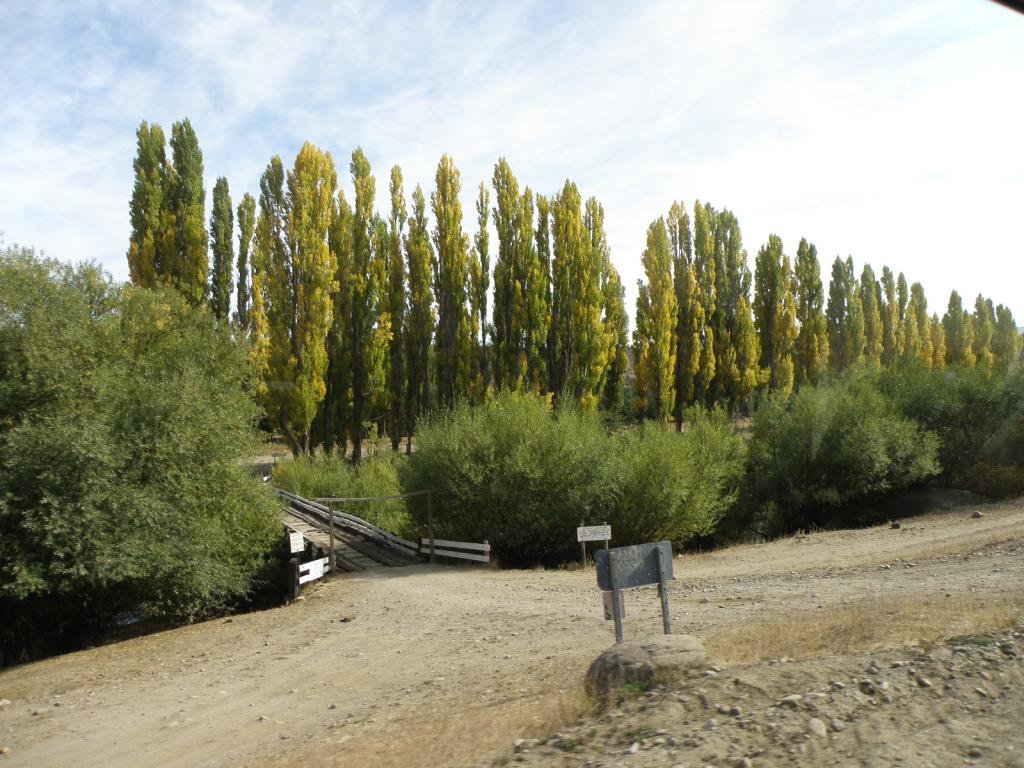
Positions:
{"x": 626, "y": 567}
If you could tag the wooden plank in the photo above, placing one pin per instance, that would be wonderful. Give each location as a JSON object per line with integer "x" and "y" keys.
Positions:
{"x": 461, "y": 555}
{"x": 457, "y": 544}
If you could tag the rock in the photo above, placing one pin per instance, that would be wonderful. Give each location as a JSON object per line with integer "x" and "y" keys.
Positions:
{"x": 975, "y": 752}
{"x": 4, "y": 750}
{"x": 924, "y": 682}
{"x": 793, "y": 700}
{"x": 735, "y": 711}
{"x": 838, "y": 725}
{"x": 4, "y": 703}
{"x": 643, "y": 662}
{"x": 981, "y": 692}
{"x": 633, "y": 748}
{"x": 817, "y": 728}
{"x": 977, "y": 514}
{"x": 711, "y": 724}
{"x": 744, "y": 762}
{"x": 867, "y": 687}
{"x": 894, "y": 526}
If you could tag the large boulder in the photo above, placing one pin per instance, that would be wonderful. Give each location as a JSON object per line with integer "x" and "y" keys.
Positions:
{"x": 665, "y": 658}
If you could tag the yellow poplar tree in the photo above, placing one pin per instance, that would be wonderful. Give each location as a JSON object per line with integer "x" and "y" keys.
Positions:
{"x": 654, "y": 336}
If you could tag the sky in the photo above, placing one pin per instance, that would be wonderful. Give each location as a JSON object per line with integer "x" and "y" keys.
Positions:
{"x": 890, "y": 131}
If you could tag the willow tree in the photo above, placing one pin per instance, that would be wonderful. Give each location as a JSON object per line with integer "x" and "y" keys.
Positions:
{"x": 396, "y": 307}
{"x": 296, "y": 277}
{"x": 580, "y": 347}
{"x": 689, "y": 312}
{"x": 246, "y": 230}
{"x": 654, "y": 335}
{"x": 775, "y": 313}
{"x": 223, "y": 247}
{"x": 420, "y": 319}
{"x": 450, "y": 278}
{"x": 811, "y": 353}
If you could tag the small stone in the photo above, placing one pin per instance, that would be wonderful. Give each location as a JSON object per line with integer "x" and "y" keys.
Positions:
{"x": 867, "y": 687}
{"x": 517, "y": 745}
{"x": 975, "y": 752}
{"x": 793, "y": 700}
{"x": 744, "y": 762}
{"x": 711, "y": 724}
{"x": 261, "y": 718}
{"x": 333, "y": 706}
{"x": 977, "y": 514}
{"x": 4, "y": 750}
{"x": 816, "y": 727}
{"x": 924, "y": 682}
{"x": 838, "y": 725}
{"x": 981, "y": 692}
{"x": 894, "y": 526}
{"x": 735, "y": 711}
{"x": 705, "y": 600}
{"x": 633, "y": 748}
{"x": 4, "y": 703}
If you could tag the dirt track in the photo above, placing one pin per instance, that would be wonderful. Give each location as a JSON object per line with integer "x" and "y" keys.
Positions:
{"x": 448, "y": 665}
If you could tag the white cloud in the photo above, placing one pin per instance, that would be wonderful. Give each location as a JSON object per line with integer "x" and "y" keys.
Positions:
{"x": 885, "y": 131}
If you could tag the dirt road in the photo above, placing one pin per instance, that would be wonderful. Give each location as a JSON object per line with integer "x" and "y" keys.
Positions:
{"x": 448, "y": 665}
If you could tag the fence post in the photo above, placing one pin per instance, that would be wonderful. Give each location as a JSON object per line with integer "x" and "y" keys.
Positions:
{"x": 606, "y": 540}
{"x": 293, "y": 579}
{"x": 330, "y": 555}
{"x": 430, "y": 524}
{"x": 583, "y": 550}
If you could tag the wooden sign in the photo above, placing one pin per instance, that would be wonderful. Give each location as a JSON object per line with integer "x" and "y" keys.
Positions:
{"x": 594, "y": 533}
{"x": 295, "y": 542}
{"x": 626, "y": 567}
{"x": 314, "y": 569}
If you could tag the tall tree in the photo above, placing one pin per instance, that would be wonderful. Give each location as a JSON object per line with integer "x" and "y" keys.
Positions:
{"x": 246, "y": 229}
{"x": 775, "y": 313}
{"x": 536, "y": 286}
{"x": 616, "y": 328}
{"x": 959, "y": 333}
{"x": 918, "y": 310}
{"x": 870, "y": 300}
{"x": 450, "y": 280}
{"x": 396, "y": 307}
{"x": 984, "y": 325}
{"x": 420, "y": 320}
{"x": 223, "y": 247}
{"x": 892, "y": 325}
{"x": 1005, "y": 339}
{"x": 938, "y": 343}
{"x": 185, "y": 197}
{"x": 811, "y": 355}
{"x": 148, "y": 246}
{"x": 296, "y": 272}
{"x": 480, "y": 283}
{"x": 580, "y": 349}
{"x": 704, "y": 269}
{"x": 654, "y": 335}
{"x": 845, "y": 315}
{"x": 689, "y": 312}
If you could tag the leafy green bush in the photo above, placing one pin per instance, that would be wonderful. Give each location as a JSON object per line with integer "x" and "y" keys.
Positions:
{"x": 331, "y": 476}
{"x": 815, "y": 453}
{"x": 123, "y": 422}
{"x": 675, "y": 486}
{"x": 978, "y": 417}
{"x": 515, "y": 473}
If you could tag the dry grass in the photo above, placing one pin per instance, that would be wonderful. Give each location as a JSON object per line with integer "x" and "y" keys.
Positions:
{"x": 471, "y": 737}
{"x": 883, "y": 622}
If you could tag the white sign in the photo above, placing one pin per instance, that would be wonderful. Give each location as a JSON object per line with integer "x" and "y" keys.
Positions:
{"x": 594, "y": 533}
{"x": 314, "y": 570}
{"x": 296, "y": 542}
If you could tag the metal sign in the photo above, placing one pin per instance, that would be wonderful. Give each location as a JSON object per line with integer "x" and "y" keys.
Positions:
{"x": 594, "y": 533}
{"x": 633, "y": 566}
{"x": 314, "y": 570}
{"x": 609, "y": 610}
{"x": 626, "y": 567}
{"x": 295, "y": 542}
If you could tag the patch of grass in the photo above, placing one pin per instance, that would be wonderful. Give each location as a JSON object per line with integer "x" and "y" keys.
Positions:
{"x": 566, "y": 745}
{"x": 631, "y": 691}
{"x": 881, "y": 622}
{"x": 972, "y": 640}
{"x": 641, "y": 733}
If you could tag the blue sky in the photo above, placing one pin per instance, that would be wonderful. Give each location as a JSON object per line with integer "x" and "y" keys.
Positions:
{"x": 889, "y": 131}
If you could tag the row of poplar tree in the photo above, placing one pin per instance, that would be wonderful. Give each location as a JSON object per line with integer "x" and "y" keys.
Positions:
{"x": 356, "y": 319}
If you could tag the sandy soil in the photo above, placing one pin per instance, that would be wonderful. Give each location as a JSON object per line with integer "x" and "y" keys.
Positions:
{"x": 448, "y": 665}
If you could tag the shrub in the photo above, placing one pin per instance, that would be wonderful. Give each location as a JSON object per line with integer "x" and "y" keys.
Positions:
{"x": 331, "y": 476}
{"x": 515, "y": 473}
{"x": 978, "y": 417}
{"x": 123, "y": 422}
{"x": 675, "y": 486}
{"x": 816, "y": 452}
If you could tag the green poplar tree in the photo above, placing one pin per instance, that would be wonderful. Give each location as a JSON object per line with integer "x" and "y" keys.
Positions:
{"x": 480, "y": 283}
{"x": 1005, "y": 339}
{"x": 293, "y": 258}
{"x": 845, "y": 316}
{"x": 811, "y": 354}
{"x": 689, "y": 312}
{"x": 892, "y": 326}
{"x": 938, "y": 343}
{"x": 918, "y": 307}
{"x": 420, "y": 320}
{"x": 616, "y": 328}
{"x": 654, "y": 337}
{"x": 450, "y": 280}
{"x": 223, "y": 247}
{"x": 775, "y": 313}
{"x": 704, "y": 268}
{"x": 874, "y": 340}
{"x": 396, "y": 306}
{"x": 185, "y": 197}
{"x": 246, "y": 230}
{"x": 147, "y": 246}
{"x": 984, "y": 325}
{"x": 959, "y": 333}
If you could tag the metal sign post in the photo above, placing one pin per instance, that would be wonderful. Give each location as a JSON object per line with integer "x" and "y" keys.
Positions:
{"x": 626, "y": 567}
